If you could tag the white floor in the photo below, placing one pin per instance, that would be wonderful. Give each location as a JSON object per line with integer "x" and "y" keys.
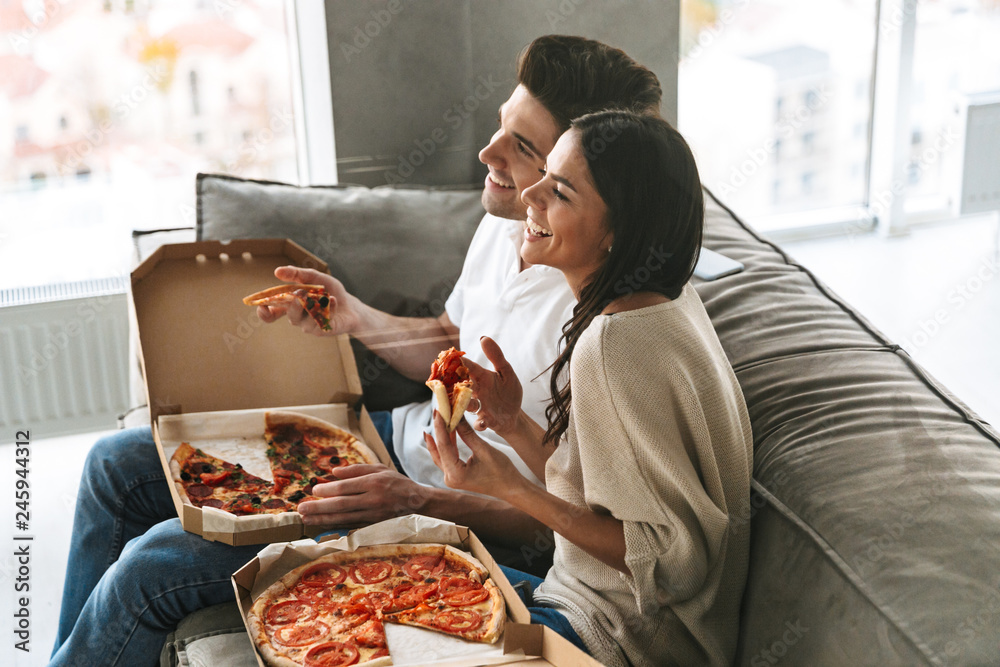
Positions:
{"x": 935, "y": 291}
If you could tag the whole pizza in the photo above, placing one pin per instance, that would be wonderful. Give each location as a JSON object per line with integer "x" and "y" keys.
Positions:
{"x": 302, "y": 452}
{"x": 332, "y": 611}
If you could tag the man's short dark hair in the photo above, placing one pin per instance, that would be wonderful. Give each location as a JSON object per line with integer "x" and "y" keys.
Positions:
{"x": 573, "y": 76}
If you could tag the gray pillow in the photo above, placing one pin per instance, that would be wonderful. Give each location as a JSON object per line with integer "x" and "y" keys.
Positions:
{"x": 397, "y": 249}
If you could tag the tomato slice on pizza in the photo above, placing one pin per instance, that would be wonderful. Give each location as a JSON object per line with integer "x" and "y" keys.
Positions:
{"x": 449, "y": 380}
{"x": 313, "y": 298}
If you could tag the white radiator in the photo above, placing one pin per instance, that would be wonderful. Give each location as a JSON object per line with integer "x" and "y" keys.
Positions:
{"x": 63, "y": 358}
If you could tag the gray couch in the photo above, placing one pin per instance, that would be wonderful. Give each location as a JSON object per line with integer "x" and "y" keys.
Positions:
{"x": 876, "y": 496}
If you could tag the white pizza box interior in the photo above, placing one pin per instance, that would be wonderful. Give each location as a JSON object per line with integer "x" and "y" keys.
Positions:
{"x": 523, "y": 644}
{"x": 204, "y": 352}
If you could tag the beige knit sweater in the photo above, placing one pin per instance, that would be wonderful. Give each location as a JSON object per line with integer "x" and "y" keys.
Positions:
{"x": 659, "y": 438}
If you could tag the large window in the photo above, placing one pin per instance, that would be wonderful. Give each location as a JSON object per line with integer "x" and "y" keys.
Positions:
{"x": 956, "y": 60}
{"x": 109, "y": 109}
{"x": 774, "y": 98}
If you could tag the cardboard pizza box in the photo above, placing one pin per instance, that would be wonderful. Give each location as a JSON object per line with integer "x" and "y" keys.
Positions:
{"x": 203, "y": 351}
{"x": 523, "y": 644}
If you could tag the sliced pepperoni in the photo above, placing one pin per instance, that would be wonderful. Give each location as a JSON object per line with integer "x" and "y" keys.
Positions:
{"x": 332, "y": 654}
{"x": 274, "y": 504}
{"x": 324, "y": 574}
{"x": 299, "y": 450}
{"x": 421, "y": 567}
{"x": 213, "y": 502}
{"x": 199, "y": 491}
{"x": 330, "y": 451}
{"x": 458, "y": 620}
{"x": 370, "y": 571}
{"x": 301, "y": 634}
{"x": 289, "y": 611}
{"x": 328, "y": 463}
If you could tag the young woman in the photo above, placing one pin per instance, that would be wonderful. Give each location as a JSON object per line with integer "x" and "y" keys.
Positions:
{"x": 647, "y": 453}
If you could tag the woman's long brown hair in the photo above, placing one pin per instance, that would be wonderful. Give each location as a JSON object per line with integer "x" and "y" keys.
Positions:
{"x": 646, "y": 175}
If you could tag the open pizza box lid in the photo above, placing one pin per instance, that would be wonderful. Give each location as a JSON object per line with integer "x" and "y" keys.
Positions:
{"x": 204, "y": 353}
{"x": 523, "y": 644}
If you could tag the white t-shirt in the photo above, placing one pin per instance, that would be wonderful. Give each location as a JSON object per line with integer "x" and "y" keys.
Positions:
{"x": 523, "y": 311}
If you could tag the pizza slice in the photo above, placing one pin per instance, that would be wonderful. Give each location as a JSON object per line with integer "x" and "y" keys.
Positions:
{"x": 207, "y": 481}
{"x": 452, "y": 388}
{"x": 313, "y": 298}
{"x": 304, "y": 451}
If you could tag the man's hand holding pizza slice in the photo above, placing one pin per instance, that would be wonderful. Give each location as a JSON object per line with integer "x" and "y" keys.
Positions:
{"x": 343, "y": 314}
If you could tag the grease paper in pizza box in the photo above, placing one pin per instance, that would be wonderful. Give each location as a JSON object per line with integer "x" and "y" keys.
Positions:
{"x": 237, "y": 436}
{"x": 414, "y": 646}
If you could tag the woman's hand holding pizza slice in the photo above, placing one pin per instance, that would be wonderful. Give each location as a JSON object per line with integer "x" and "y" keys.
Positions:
{"x": 487, "y": 470}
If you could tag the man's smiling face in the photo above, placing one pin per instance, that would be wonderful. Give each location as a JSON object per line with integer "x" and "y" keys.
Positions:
{"x": 516, "y": 153}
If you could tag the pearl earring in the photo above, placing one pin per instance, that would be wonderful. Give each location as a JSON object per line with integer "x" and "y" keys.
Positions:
{"x": 609, "y": 249}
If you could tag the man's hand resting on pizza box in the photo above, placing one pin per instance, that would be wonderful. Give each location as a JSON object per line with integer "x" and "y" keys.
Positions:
{"x": 344, "y": 315}
{"x": 363, "y": 494}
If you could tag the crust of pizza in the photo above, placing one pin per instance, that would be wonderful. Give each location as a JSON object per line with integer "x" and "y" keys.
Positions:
{"x": 278, "y": 293}
{"x": 463, "y": 395}
{"x": 497, "y": 614}
{"x": 257, "y": 626}
{"x": 177, "y": 461}
{"x": 300, "y": 421}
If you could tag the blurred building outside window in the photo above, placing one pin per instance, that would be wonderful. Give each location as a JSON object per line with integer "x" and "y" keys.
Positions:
{"x": 109, "y": 109}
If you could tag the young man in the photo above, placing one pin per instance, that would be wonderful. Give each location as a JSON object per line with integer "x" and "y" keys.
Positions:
{"x": 133, "y": 573}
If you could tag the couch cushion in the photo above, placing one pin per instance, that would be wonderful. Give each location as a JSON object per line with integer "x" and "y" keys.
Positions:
{"x": 877, "y": 493}
{"x": 397, "y": 249}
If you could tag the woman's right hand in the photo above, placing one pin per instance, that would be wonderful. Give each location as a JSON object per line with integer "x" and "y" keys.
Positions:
{"x": 343, "y": 316}
{"x": 499, "y": 392}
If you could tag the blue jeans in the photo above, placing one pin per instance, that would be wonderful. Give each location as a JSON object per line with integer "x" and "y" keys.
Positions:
{"x": 525, "y": 585}
{"x": 133, "y": 572}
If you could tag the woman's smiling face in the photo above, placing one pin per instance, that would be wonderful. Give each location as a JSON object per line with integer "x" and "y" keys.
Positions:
{"x": 567, "y": 226}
